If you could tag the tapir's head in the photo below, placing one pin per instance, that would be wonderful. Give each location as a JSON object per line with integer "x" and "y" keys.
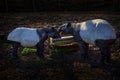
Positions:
{"x": 53, "y": 33}
{"x": 65, "y": 28}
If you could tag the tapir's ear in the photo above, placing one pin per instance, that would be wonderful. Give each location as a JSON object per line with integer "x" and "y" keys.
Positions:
{"x": 68, "y": 24}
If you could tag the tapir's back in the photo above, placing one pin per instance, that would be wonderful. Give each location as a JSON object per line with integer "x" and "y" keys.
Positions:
{"x": 96, "y": 29}
{"x": 26, "y": 36}
{"x": 104, "y": 30}
{"x": 15, "y": 35}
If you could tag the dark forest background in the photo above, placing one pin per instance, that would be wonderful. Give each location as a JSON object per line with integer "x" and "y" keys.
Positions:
{"x": 58, "y": 5}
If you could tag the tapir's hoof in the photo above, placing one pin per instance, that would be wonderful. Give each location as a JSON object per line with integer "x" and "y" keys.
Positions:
{"x": 42, "y": 58}
{"x": 84, "y": 56}
{"x": 16, "y": 59}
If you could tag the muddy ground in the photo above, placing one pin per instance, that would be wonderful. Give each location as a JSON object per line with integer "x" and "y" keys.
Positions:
{"x": 61, "y": 66}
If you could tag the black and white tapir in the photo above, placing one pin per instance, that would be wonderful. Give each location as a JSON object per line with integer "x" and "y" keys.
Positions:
{"x": 97, "y": 32}
{"x": 30, "y": 37}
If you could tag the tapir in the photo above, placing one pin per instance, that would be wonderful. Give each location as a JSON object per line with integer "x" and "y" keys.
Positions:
{"x": 96, "y": 32}
{"x": 31, "y": 37}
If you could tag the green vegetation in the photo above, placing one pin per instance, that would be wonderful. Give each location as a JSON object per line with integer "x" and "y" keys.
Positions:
{"x": 26, "y": 51}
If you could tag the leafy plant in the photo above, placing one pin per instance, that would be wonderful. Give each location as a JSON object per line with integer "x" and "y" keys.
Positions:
{"x": 28, "y": 50}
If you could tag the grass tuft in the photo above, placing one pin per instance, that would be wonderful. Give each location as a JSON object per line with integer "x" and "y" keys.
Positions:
{"x": 26, "y": 51}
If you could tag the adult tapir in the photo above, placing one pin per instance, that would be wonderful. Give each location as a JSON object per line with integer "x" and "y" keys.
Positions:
{"x": 30, "y": 37}
{"x": 96, "y": 32}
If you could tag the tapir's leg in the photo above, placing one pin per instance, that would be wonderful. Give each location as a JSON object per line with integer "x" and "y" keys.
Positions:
{"x": 82, "y": 45}
{"x": 103, "y": 54}
{"x": 108, "y": 54}
{"x": 40, "y": 50}
{"x": 83, "y": 49}
{"x": 105, "y": 49}
{"x": 16, "y": 45}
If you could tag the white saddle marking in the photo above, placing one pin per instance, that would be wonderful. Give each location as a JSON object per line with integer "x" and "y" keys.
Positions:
{"x": 96, "y": 29}
{"x": 28, "y": 37}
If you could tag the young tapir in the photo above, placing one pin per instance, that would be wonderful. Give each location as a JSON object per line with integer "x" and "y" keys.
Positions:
{"x": 30, "y": 37}
{"x": 96, "y": 32}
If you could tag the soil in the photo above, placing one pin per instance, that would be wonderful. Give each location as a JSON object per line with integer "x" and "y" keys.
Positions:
{"x": 66, "y": 65}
